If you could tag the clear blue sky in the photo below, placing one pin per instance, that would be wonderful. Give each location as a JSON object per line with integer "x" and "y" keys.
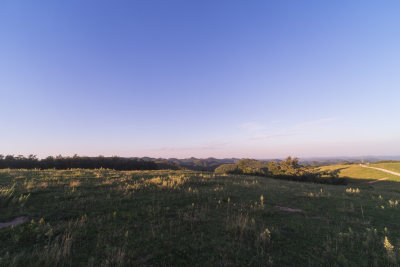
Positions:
{"x": 259, "y": 79}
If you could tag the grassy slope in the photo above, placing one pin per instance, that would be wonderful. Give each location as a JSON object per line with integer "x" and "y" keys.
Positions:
{"x": 357, "y": 172}
{"x": 85, "y": 217}
{"x": 388, "y": 166}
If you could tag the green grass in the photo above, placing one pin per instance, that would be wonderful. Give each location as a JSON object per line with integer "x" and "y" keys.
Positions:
{"x": 163, "y": 218}
{"x": 355, "y": 171}
{"x": 388, "y": 166}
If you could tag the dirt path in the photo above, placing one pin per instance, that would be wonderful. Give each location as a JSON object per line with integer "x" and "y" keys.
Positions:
{"x": 380, "y": 169}
{"x": 374, "y": 181}
{"x": 288, "y": 209}
{"x": 15, "y": 222}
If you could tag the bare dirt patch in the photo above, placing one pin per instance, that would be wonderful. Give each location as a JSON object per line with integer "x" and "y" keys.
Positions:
{"x": 288, "y": 209}
{"x": 15, "y": 222}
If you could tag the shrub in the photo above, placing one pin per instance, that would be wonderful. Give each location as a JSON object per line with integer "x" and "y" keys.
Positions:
{"x": 228, "y": 169}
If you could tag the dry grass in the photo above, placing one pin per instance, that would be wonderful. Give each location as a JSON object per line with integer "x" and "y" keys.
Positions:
{"x": 74, "y": 183}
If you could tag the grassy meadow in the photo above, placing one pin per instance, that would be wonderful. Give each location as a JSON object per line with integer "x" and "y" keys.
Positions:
{"x": 392, "y": 166}
{"x": 175, "y": 218}
{"x": 355, "y": 171}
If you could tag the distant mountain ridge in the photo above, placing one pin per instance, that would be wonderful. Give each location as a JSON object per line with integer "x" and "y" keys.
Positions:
{"x": 149, "y": 163}
{"x": 197, "y": 164}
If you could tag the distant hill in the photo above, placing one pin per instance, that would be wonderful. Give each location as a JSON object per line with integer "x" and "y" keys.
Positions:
{"x": 115, "y": 162}
{"x": 148, "y": 163}
{"x": 322, "y": 161}
{"x": 208, "y": 164}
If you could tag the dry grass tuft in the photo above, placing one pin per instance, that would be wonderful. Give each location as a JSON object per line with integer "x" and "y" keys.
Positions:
{"x": 75, "y": 183}
{"x": 42, "y": 185}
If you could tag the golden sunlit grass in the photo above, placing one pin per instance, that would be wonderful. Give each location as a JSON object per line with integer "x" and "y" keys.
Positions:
{"x": 74, "y": 183}
{"x": 355, "y": 171}
{"x": 352, "y": 190}
{"x": 395, "y": 166}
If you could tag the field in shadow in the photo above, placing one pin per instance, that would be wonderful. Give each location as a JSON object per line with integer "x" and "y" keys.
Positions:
{"x": 116, "y": 218}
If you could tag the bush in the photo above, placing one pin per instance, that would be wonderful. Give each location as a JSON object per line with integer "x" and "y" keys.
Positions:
{"x": 228, "y": 169}
{"x": 288, "y": 169}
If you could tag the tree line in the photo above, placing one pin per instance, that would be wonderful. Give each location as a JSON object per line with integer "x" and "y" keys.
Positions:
{"x": 289, "y": 169}
{"x": 61, "y": 162}
{"x": 117, "y": 163}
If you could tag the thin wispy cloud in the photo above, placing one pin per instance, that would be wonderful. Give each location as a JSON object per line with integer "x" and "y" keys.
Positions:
{"x": 259, "y": 132}
{"x": 207, "y": 146}
{"x": 252, "y": 126}
{"x": 272, "y": 136}
{"x": 313, "y": 122}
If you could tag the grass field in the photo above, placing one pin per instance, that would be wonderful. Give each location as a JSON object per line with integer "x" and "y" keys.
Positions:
{"x": 153, "y": 218}
{"x": 388, "y": 166}
{"x": 355, "y": 171}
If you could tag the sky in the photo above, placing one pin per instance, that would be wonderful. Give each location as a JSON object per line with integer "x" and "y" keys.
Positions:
{"x": 257, "y": 79}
